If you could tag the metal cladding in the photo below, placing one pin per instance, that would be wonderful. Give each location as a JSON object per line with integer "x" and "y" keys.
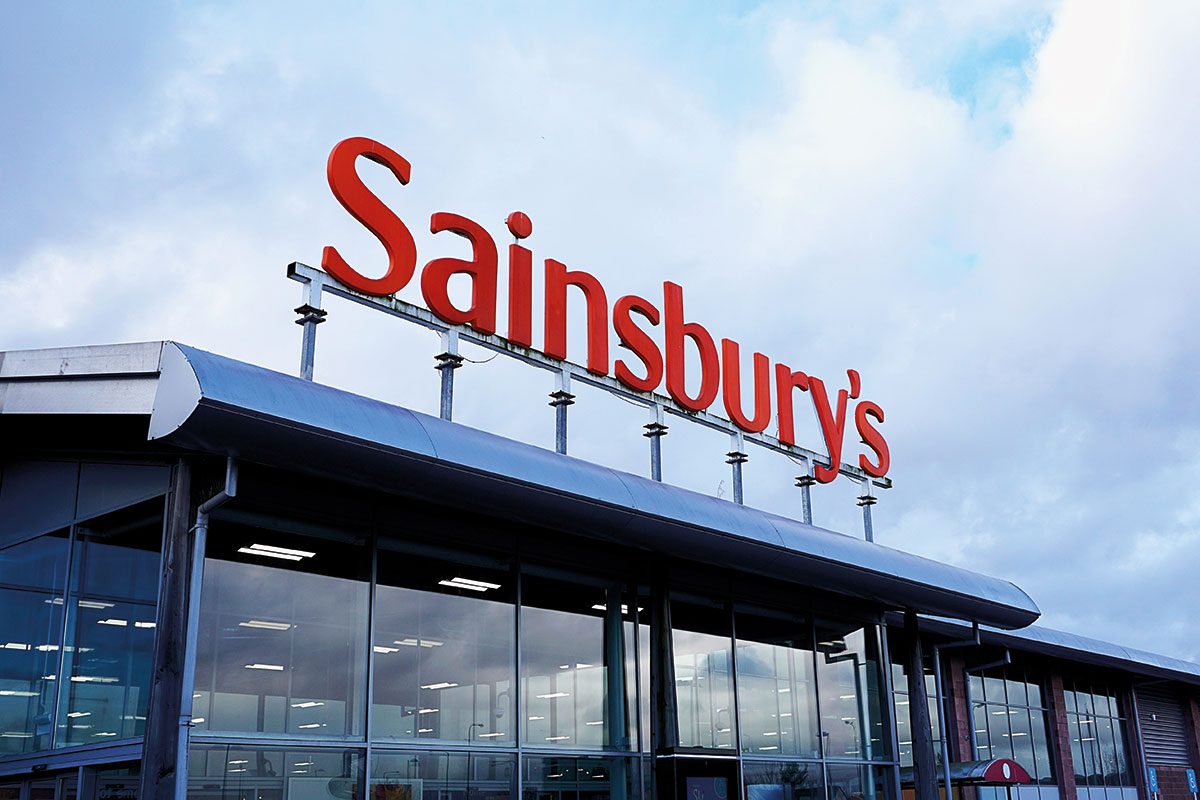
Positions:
{"x": 211, "y": 403}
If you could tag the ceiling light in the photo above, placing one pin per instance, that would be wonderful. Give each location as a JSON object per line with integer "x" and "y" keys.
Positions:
{"x": 271, "y": 667}
{"x": 198, "y": 721}
{"x": 240, "y": 761}
{"x": 93, "y": 679}
{"x": 16, "y": 693}
{"x": 311, "y": 725}
{"x": 442, "y": 685}
{"x": 94, "y": 604}
{"x": 597, "y": 722}
{"x": 557, "y": 738}
{"x": 121, "y": 623}
{"x": 266, "y": 626}
{"x": 17, "y": 646}
{"x": 424, "y": 730}
{"x": 488, "y": 735}
{"x": 78, "y": 714}
{"x": 469, "y": 582}
{"x": 380, "y": 649}
{"x": 280, "y": 551}
{"x": 552, "y": 695}
{"x": 770, "y": 747}
{"x": 105, "y": 733}
{"x": 15, "y": 735}
{"x": 427, "y": 711}
{"x": 143, "y": 624}
{"x": 535, "y": 719}
{"x": 47, "y": 648}
{"x": 308, "y": 704}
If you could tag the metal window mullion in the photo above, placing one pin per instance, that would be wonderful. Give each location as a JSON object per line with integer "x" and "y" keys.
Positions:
{"x": 369, "y": 712}
{"x": 517, "y": 695}
{"x": 888, "y": 708}
{"x": 735, "y": 712}
{"x": 61, "y": 696}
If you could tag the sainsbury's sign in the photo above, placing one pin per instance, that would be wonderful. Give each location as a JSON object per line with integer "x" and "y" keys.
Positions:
{"x": 656, "y": 333}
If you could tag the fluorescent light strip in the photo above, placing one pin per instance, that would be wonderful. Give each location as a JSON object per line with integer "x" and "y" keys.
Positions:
{"x": 253, "y": 552}
{"x": 442, "y": 685}
{"x": 120, "y": 623}
{"x": 266, "y": 626}
{"x": 455, "y": 585}
{"x": 553, "y": 695}
{"x": 380, "y": 649}
{"x": 16, "y": 693}
{"x": 488, "y": 735}
{"x": 269, "y": 667}
{"x": 143, "y": 624}
{"x": 470, "y": 582}
{"x": 283, "y": 551}
{"x": 308, "y": 704}
{"x": 311, "y": 725}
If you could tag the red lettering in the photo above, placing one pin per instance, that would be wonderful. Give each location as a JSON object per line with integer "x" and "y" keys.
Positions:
{"x": 435, "y": 277}
{"x": 872, "y": 438}
{"x": 368, "y": 209}
{"x": 676, "y": 331}
{"x": 731, "y": 382}
{"x": 639, "y": 342}
{"x": 833, "y": 427}
{"x": 558, "y": 278}
{"x": 520, "y": 294}
{"x": 785, "y": 382}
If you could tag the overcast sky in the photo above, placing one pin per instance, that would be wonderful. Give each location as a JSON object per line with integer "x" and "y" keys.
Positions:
{"x": 989, "y": 209}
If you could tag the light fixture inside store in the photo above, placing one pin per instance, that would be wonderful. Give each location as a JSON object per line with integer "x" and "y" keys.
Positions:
{"x": 270, "y": 551}
{"x": 552, "y": 695}
{"x": 488, "y": 735}
{"x": 385, "y": 650}
{"x": 120, "y": 623}
{"x": 16, "y": 693}
{"x": 269, "y": 667}
{"x": 442, "y": 685}
{"x": 469, "y": 584}
{"x": 264, "y": 625}
{"x": 308, "y": 704}
{"x": 412, "y": 641}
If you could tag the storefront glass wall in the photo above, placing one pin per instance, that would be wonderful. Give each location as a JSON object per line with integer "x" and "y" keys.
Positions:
{"x": 82, "y": 677}
{"x": 1096, "y": 728}
{"x": 1010, "y": 721}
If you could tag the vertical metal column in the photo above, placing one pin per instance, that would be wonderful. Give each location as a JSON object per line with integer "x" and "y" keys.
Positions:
{"x": 447, "y": 361}
{"x": 735, "y": 458}
{"x": 311, "y": 315}
{"x": 805, "y": 482}
{"x": 924, "y": 766}
{"x": 158, "y": 775}
{"x": 866, "y": 500}
{"x": 655, "y": 430}
{"x": 560, "y": 398}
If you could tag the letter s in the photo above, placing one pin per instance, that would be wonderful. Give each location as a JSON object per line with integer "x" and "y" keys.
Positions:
{"x": 872, "y": 438}
{"x": 368, "y": 209}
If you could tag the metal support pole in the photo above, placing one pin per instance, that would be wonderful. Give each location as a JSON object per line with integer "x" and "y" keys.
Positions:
{"x": 196, "y": 581}
{"x": 560, "y": 398}
{"x": 655, "y": 430}
{"x": 805, "y": 482}
{"x": 735, "y": 458}
{"x": 311, "y": 315}
{"x": 447, "y": 361}
{"x": 942, "y": 716}
{"x": 924, "y": 768}
{"x": 866, "y": 500}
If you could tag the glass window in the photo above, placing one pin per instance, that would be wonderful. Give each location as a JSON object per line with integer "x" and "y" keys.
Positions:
{"x": 1011, "y": 727}
{"x": 581, "y": 778}
{"x": 110, "y": 631}
{"x": 1097, "y": 741}
{"x": 856, "y": 782}
{"x": 782, "y": 780}
{"x": 32, "y": 576}
{"x": 444, "y": 649}
{"x": 777, "y": 690}
{"x": 849, "y": 677}
{"x": 427, "y": 775}
{"x": 703, "y": 645}
{"x": 903, "y": 712}
{"x": 225, "y": 771}
{"x": 283, "y": 630}
{"x": 578, "y": 688}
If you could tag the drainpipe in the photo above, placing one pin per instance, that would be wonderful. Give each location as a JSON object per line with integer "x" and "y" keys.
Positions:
{"x": 188, "y": 687}
{"x": 941, "y": 697}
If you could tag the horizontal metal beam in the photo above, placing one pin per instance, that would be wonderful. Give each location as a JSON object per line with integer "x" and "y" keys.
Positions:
{"x": 399, "y": 308}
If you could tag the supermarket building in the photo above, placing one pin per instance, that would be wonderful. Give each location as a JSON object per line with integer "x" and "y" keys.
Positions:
{"x": 394, "y": 605}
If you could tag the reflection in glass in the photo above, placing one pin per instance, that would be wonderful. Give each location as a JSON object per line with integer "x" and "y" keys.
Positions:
{"x": 110, "y": 628}
{"x": 848, "y": 672}
{"x": 283, "y": 630}
{"x": 424, "y": 775}
{"x": 856, "y": 782}
{"x": 903, "y": 711}
{"x": 32, "y": 575}
{"x": 229, "y": 771}
{"x": 581, "y": 778}
{"x": 702, "y": 642}
{"x": 443, "y": 649}
{"x": 577, "y": 688}
{"x": 782, "y": 780}
{"x": 777, "y": 692}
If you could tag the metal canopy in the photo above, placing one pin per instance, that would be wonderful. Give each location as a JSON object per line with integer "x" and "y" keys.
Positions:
{"x": 218, "y": 405}
{"x": 990, "y": 772}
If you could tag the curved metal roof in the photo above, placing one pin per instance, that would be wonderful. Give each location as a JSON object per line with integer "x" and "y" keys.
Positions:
{"x": 216, "y": 404}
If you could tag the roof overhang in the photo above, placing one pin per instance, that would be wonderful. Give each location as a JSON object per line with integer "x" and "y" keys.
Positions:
{"x": 208, "y": 403}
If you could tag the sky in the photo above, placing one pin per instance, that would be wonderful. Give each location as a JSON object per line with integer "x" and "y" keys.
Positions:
{"x": 990, "y": 210}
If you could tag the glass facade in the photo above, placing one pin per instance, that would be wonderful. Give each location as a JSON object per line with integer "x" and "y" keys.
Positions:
{"x": 903, "y": 709}
{"x": 1096, "y": 726}
{"x": 77, "y": 633}
{"x": 1009, "y": 716}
